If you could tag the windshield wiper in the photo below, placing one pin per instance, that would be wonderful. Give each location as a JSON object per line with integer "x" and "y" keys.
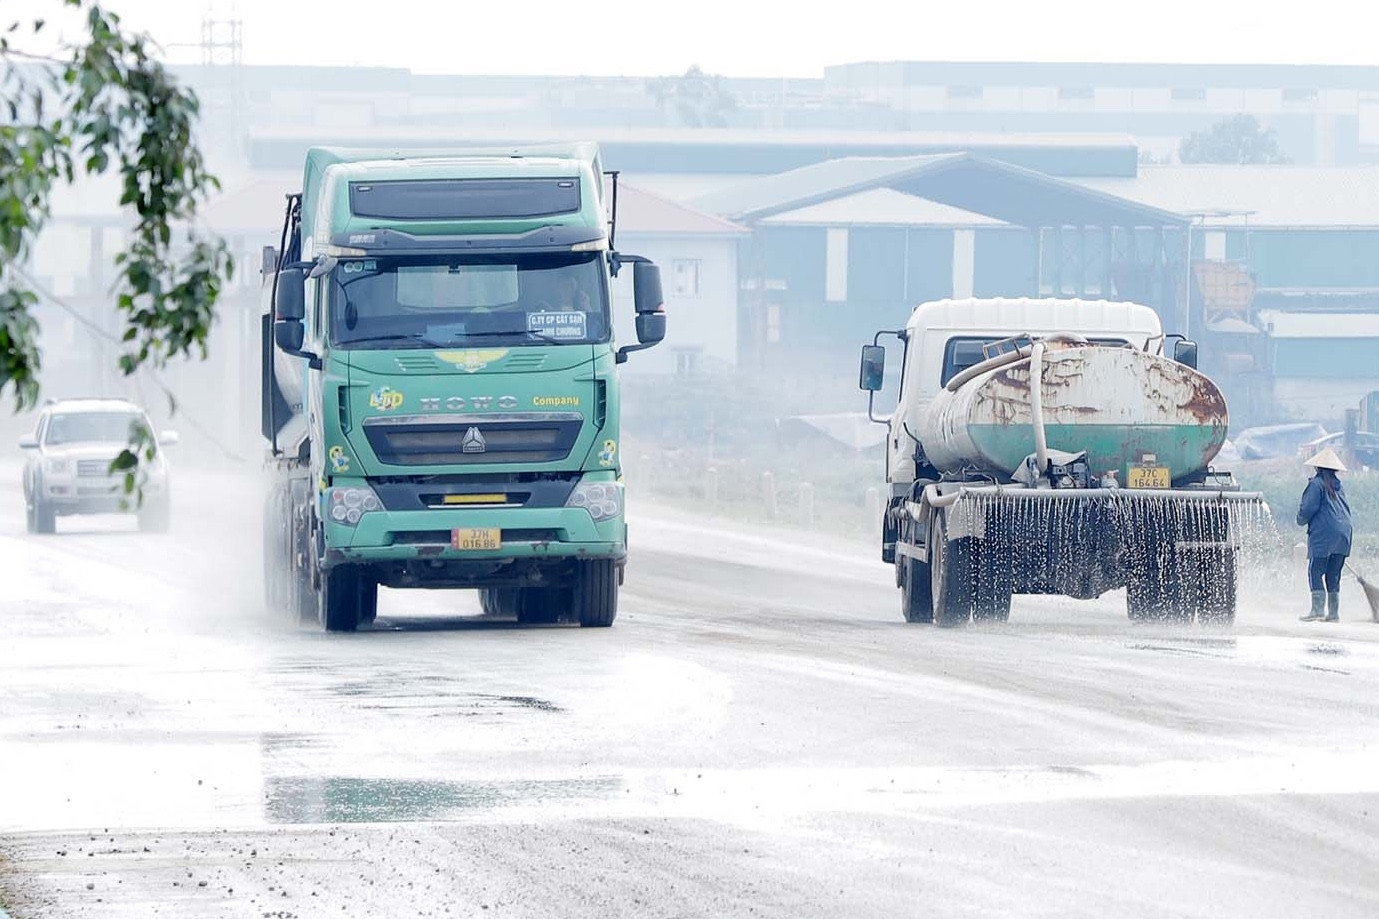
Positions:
{"x": 499, "y": 333}
{"x": 411, "y": 336}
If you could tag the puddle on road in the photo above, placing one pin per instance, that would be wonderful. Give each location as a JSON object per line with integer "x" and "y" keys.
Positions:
{"x": 1268, "y": 649}
{"x": 382, "y": 800}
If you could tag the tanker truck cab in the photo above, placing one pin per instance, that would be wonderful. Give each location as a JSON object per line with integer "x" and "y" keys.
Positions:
{"x": 442, "y": 399}
{"x": 1053, "y": 446}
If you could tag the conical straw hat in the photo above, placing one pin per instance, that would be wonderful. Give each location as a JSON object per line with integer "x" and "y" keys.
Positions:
{"x": 1327, "y": 459}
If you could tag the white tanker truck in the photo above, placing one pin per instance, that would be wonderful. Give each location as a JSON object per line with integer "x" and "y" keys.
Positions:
{"x": 1052, "y": 447}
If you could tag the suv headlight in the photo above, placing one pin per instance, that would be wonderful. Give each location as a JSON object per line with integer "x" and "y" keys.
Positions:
{"x": 57, "y": 466}
{"x": 601, "y": 499}
{"x": 346, "y": 506}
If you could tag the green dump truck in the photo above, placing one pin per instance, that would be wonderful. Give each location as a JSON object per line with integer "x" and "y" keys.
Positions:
{"x": 440, "y": 384}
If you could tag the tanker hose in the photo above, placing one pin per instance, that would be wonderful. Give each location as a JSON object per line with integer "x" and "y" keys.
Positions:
{"x": 1036, "y": 406}
{"x": 934, "y": 499}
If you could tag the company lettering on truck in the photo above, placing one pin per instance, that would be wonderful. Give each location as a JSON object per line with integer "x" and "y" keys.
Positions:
{"x": 555, "y": 401}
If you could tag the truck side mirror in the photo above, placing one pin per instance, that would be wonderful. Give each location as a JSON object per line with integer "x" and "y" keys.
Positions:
{"x": 651, "y": 328}
{"x": 290, "y": 335}
{"x": 289, "y": 301}
{"x": 1185, "y": 353}
{"x": 289, "y": 308}
{"x": 646, "y": 289}
{"x": 28, "y": 442}
{"x": 873, "y": 372}
{"x": 650, "y": 306}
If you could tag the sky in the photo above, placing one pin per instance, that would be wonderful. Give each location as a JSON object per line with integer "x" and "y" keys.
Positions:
{"x": 753, "y": 38}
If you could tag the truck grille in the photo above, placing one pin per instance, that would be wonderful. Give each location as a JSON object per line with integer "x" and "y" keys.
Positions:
{"x": 93, "y": 468}
{"x": 449, "y": 440}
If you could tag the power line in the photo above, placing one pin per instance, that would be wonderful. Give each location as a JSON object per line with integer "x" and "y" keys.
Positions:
{"x": 93, "y": 328}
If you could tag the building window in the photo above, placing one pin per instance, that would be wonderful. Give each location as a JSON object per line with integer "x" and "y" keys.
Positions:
{"x": 1299, "y": 94}
{"x": 1076, "y": 92}
{"x": 684, "y": 277}
{"x": 964, "y": 92}
{"x": 1189, "y": 94}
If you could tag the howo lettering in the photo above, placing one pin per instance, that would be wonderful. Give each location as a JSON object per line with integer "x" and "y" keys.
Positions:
{"x": 440, "y": 386}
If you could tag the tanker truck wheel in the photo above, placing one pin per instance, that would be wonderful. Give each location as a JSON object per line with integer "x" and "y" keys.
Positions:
{"x": 916, "y": 593}
{"x": 1151, "y": 595}
{"x": 1207, "y": 584}
{"x": 950, "y": 574}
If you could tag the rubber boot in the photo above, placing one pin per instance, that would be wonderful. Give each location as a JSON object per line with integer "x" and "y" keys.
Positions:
{"x": 1315, "y": 614}
{"x": 1333, "y": 606}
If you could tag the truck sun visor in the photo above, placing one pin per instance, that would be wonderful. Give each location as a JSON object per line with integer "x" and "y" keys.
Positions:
{"x": 464, "y": 199}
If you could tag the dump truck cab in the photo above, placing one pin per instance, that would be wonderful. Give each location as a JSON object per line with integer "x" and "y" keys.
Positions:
{"x": 441, "y": 390}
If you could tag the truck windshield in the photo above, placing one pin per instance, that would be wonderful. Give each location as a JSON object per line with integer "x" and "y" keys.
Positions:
{"x": 446, "y": 300}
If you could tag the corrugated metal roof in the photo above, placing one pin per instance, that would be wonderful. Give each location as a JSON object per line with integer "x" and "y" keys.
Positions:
{"x": 984, "y": 186}
{"x": 882, "y": 207}
{"x": 1259, "y": 196}
{"x": 1319, "y": 325}
{"x": 640, "y": 211}
{"x": 815, "y": 184}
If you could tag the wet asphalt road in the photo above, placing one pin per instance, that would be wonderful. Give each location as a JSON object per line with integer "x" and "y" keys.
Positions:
{"x": 758, "y": 735}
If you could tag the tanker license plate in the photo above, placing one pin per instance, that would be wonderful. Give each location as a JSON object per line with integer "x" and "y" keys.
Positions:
{"x": 477, "y": 539}
{"x": 1149, "y": 477}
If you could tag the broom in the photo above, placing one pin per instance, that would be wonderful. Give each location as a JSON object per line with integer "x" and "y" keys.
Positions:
{"x": 1371, "y": 593}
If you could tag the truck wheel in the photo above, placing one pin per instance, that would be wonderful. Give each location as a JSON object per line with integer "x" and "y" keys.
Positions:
{"x": 499, "y": 601}
{"x": 337, "y": 602}
{"x": 1149, "y": 591}
{"x": 950, "y": 574}
{"x": 1207, "y": 585}
{"x": 596, "y": 593}
{"x": 304, "y": 601}
{"x": 368, "y": 600}
{"x": 539, "y": 605}
{"x": 916, "y": 593}
{"x": 991, "y": 602}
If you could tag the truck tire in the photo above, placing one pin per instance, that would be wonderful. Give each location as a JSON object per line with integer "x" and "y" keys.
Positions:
{"x": 596, "y": 593}
{"x": 540, "y": 605}
{"x": 950, "y": 574}
{"x": 1149, "y": 593}
{"x": 499, "y": 601}
{"x": 916, "y": 593}
{"x": 1207, "y": 584}
{"x": 992, "y": 562}
{"x": 368, "y": 600}
{"x": 338, "y": 600}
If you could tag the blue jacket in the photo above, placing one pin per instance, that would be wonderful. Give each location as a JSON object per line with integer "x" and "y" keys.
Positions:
{"x": 1326, "y": 516}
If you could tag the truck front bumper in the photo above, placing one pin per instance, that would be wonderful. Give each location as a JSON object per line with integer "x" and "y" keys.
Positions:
{"x": 526, "y": 533}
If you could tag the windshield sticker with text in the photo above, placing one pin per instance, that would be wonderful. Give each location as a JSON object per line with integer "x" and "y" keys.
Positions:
{"x": 557, "y": 325}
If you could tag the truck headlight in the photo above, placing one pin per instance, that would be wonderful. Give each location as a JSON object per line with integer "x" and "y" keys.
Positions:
{"x": 57, "y": 466}
{"x": 346, "y": 506}
{"x": 601, "y": 499}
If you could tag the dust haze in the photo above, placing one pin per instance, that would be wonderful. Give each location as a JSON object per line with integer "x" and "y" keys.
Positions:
{"x": 761, "y": 731}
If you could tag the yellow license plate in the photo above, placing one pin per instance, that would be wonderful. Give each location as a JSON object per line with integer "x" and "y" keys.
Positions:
{"x": 476, "y": 539}
{"x": 1149, "y": 477}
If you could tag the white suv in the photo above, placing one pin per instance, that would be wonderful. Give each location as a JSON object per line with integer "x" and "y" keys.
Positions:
{"x": 67, "y": 467}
